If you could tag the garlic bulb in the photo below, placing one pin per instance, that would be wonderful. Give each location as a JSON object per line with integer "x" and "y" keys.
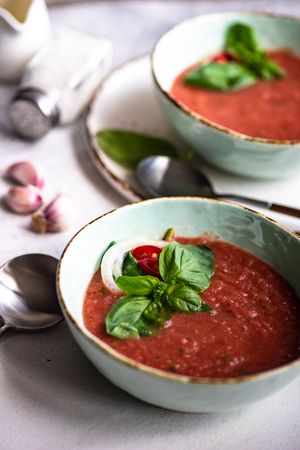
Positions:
{"x": 56, "y": 216}
{"x": 25, "y": 173}
{"x": 24, "y": 199}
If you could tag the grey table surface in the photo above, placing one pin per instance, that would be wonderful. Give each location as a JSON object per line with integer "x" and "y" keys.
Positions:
{"x": 50, "y": 395}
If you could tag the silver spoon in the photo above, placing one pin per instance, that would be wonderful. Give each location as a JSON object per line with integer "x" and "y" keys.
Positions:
{"x": 28, "y": 298}
{"x": 163, "y": 176}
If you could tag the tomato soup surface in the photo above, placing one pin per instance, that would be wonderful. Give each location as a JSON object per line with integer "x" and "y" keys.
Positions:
{"x": 255, "y": 325}
{"x": 267, "y": 109}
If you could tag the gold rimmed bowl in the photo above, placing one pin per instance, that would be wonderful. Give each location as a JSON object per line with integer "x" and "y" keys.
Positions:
{"x": 190, "y": 217}
{"x": 195, "y": 39}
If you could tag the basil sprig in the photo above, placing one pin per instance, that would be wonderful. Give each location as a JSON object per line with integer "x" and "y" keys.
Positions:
{"x": 241, "y": 41}
{"x": 251, "y": 64}
{"x": 186, "y": 271}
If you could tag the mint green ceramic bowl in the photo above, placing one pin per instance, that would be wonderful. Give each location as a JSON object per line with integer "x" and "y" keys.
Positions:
{"x": 196, "y": 38}
{"x": 190, "y": 217}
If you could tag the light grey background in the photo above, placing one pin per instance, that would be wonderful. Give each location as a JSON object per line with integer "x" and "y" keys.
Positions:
{"x": 51, "y": 397}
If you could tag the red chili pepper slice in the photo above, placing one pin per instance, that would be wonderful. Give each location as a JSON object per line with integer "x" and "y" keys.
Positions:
{"x": 146, "y": 251}
{"x": 223, "y": 57}
{"x": 149, "y": 266}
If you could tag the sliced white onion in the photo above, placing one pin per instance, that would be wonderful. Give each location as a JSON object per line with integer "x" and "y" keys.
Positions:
{"x": 112, "y": 261}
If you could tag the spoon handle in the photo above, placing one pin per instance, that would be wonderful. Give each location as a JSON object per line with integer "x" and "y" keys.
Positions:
{"x": 288, "y": 210}
{"x": 3, "y": 326}
{"x": 285, "y": 210}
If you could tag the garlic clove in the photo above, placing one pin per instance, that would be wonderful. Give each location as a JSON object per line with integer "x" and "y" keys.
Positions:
{"x": 25, "y": 173}
{"x": 56, "y": 216}
{"x": 24, "y": 199}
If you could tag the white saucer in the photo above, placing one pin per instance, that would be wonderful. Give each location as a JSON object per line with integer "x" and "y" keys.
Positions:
{"x": 126, "y": 100}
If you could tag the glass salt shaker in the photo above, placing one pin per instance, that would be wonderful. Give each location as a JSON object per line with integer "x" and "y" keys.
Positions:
{"x": 59, "y": 82}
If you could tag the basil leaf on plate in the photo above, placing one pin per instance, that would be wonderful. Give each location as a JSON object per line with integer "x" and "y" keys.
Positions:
{"x": 124, "y": 320}
{"x": 182, "y": 298}
{"x": 137, "y": 285}
{"x": 156, "y": 314}
{"x": 130, "y": 266}
{"x": 128, "y": 148}
{"x": 187, "y": 264}
{"x": 220, "y": 76}
{"x": 241, "y": 41}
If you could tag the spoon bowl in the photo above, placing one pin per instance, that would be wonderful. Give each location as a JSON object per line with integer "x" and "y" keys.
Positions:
{"x": 163, "y": 176}
{"x": 167, "y": 177}
{"x": 28, "y": 299}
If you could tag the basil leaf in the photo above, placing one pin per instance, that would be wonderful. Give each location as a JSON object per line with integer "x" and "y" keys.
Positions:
{"x": 220, "y": 76}
{"x": 143, "y": 328}
{"x": 206, "y": 307}
{"x": 124, "y": 320}
{"x": 140, "y": 285}
{"x": 241, "y": 41}
{"x": 188, "y": 264}
{"x": 184, "y": 299}
{"x": 156, "y": 314}
{"x": 243, "y": 34}
{"x": 258, "y": 63}
{"x": 130, "y": 266}
{"x": 128, "y": 148}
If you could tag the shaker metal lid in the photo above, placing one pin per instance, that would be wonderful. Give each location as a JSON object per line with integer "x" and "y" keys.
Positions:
{"x": 32, "y": 113}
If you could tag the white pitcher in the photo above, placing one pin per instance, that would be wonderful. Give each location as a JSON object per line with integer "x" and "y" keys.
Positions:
{"x": 24, "y": 28}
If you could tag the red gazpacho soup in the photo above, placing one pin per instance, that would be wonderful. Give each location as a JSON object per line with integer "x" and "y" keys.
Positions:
{"x": 265, "y": 109}
{"x": 244, "y": 88}
{"x": 231, "y": 315}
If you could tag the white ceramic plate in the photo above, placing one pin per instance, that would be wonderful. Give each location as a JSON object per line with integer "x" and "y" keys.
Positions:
{"x": 126, "y": 100}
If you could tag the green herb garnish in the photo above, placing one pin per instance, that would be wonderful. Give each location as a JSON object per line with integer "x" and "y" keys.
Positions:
{"x": 188, "y": 264}
{"x": 140, "y": 285}
{"x": 130, "y": 266}
{"x": 221, "y": 76}
{"x": 128, "y": 148}
{"x": 250, "y": 63}
{"x": 186, "y": 271}
{"x": 125, "y": 318}
{"x": 241, "y": 42}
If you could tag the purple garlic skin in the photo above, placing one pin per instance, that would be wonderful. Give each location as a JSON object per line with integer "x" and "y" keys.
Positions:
{"x": 54, "y": 217}
{"x": 25, "y": 173}
{"x": 23, "y": 199}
